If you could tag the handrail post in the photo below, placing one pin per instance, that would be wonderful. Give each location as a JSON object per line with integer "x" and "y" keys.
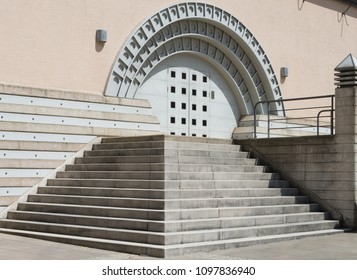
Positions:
{"x": 268, "y": 119}
{"x": 331, "y": 118}
{"x": 255, "y": 121}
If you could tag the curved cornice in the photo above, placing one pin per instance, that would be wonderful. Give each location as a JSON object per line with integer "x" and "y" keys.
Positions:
{"x": 207, "y": 31}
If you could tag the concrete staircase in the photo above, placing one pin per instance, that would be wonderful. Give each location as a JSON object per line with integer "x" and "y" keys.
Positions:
{"x": 164, "y": 196}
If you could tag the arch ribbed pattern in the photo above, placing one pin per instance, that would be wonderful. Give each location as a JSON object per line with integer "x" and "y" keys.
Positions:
{"x": 207, "y": 31}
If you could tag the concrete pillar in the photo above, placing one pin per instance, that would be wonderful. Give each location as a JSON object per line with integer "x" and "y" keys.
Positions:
{"x": 346, "y": 128}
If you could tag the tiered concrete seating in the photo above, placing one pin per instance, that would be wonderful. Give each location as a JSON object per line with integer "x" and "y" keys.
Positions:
{"x": 40, "y": 129}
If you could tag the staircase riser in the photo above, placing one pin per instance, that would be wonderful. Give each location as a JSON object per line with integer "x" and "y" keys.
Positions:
{"x": 168, "y": 215}
{"x": 176, "y": 226}
{"x": 229, "y": 244}
{"x": 167, "y": 145}
{"x": 111, "y": 234}
{"x": 162, "y": 167}
{"x": 90, "y": 221}
{"x": 167, "y": 175}
{"x": 161, "y": 194}
{"x": 205, "y": 236}
{"x": 106, "y": 202}
{"x": 166, "y": 159}
{"x": 217, "y": 203}
{"x": 173, "y": 238}
{"x": 145, "y": 214}
{"x": 239, "y": 212}
{"x": 184, "y": 184}
{"x": 166, "y": 152}
{"x": 172, "y": 204}
{"x": 135, "y": 248}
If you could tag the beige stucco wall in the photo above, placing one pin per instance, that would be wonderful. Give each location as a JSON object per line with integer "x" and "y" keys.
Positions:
{"x": 51, "y": 44}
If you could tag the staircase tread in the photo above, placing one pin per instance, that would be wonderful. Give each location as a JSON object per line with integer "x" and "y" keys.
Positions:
{"x": 169, "y": 210}
{"x": 170, "y": 221}
{"x": 257, "y": 238}
{"x": 176, "y": 246}
{"x": 173, "y": 233}
{"x": 171, "y": 199}
{"x": 170, "y": 190}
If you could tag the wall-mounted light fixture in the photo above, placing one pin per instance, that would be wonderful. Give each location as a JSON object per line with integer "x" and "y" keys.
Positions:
{"x": 284, "y": 72}
{"x": 101, "y": 35}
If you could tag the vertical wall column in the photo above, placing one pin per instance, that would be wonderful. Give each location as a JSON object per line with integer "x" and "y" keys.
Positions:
{"x": 346, "y": 128}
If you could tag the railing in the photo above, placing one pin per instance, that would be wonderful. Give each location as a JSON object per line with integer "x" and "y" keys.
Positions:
{"x": 311, "y": 112}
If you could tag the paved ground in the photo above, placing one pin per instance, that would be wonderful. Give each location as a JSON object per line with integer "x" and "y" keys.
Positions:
{"x": 335, "y": 247}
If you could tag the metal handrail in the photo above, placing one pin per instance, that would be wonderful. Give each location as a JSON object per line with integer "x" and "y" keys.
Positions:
{"x": 268, "y": 102}
{"x": 331, "y": 122}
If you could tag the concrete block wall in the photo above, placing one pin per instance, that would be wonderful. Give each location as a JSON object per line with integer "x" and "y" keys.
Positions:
{"x": 323, "y": 167}
{"x": 41, "y": 128}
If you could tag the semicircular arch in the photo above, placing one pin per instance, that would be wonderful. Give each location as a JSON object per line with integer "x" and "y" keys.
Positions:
{"x": 207, "y": 31}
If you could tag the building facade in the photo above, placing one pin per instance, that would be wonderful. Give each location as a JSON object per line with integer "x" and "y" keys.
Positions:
{"x": 74, "y": 70}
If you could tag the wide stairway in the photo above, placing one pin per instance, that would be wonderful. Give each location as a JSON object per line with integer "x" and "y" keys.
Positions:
{"x": 164, "y": 196}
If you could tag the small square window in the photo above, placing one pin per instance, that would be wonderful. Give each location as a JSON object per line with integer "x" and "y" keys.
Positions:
{"x": 194, "y": 77}
{"x": 183, "y": 134}
{"x": 204, "y": 135}
{"x": 194, "y": 92}
{"x": 204, "y": 93}
{"x": 204, "y": 123}
{"x": 204, "y": 108}
{"x": 183, "y": 90}
{"x": 173, "y": 105}
{"x": 172, "y": 120}
{"x": 204, "y": 78}
{"x": 183, "y": 106}
{"x": 172, "y": 133}
{"x": 194, "y": 107}
{"x": 183, "y": 76}
{"x": 194, "y": 134}
{"x": 183, "y": 121}
{"x": 194, "y": 121}
{"x": 173, "y": 74}
{"x": 173, "y": 89}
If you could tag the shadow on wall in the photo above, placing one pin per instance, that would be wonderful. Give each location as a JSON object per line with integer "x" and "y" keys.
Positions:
{"x": 343, "y": 7}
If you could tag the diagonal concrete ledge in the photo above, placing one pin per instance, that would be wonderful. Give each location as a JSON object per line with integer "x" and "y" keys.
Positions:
{"x": 51, "y": 175}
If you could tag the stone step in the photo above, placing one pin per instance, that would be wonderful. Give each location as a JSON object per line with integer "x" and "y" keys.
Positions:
{"x": 170, "y": 238}
{"x": 112, "y": 245}
{"x": 162, "y": 167}
{"x": 167, "y": 251}
{"x": 169, "y": 194}
{"x": 167, "y": 138}
{"x": 167, "y": 145}
{"x": 87, "y": 231}
{"x": 158, "y": 175}
{"x": 173, "y": 214}
{"x": 168, "y": 184}
{"x": 166, "y": 159}
{"x": 145, "y": 203}
{"x": 245, "y": 232}
{"x": 166, "y": 226}
{"x": 166, "y": 152}
{"x": 184, "y": 249}
{"x": 145, "y": 138}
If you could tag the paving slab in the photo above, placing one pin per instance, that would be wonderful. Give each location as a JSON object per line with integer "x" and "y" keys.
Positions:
{"x": 333, "y": 247}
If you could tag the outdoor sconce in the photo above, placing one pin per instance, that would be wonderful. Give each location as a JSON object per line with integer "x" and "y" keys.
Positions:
{"x": 284, "y": 72}
{"x": 101, "y": 35}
